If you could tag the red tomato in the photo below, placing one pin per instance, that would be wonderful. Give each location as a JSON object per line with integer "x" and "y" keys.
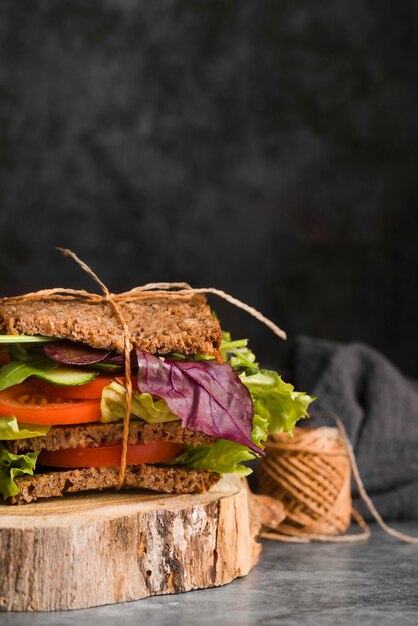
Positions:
{"x": 110, "y": 456}
{"x": 28, "y": 404}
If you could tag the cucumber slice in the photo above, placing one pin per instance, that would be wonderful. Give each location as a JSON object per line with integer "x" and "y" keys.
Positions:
{"x": 25, "y": 339}
{"x": 67, "y": 377}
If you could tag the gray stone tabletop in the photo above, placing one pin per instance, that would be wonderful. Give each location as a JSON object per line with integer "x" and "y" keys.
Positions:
{"x": 373, "y": 582}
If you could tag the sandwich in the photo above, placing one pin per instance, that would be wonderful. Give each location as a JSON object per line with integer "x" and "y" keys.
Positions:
{"x": 201, "y": 406}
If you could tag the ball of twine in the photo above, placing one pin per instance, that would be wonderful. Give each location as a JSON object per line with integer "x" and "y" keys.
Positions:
{"x": 310, "y": 474}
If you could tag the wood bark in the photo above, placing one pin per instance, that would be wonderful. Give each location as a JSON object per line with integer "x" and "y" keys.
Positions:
{"x": 103, "y": 548}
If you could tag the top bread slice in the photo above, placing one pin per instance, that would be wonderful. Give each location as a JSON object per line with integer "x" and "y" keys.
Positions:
{"x": 157, "y": 324}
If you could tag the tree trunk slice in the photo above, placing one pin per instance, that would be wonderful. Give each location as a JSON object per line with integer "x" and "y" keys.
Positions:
{"x": 103, "y": 548}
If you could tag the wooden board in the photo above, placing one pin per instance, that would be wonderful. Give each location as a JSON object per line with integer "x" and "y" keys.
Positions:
{"x": 102, "y": 548}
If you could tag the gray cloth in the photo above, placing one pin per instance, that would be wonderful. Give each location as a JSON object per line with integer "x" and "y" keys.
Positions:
{"x": 379, "y": 408}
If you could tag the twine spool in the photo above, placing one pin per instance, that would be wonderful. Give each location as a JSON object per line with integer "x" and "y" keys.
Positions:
{"x": 310, "y": 474}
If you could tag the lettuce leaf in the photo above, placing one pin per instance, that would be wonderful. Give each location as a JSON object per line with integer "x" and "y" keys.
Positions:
{"x": 144, "y": 406}
{"x": 16, "y": 372}
{"x": 236, "y": 353}
{"x": 223, "y": 457}
{"x": 261, "y": 422}
{"x": 276, "y": 400}
{"x": 10, "y": 429}
{"x": 12, "y": 466}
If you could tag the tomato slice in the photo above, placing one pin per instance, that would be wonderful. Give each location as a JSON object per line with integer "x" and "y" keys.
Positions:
{"x": 28, "y": 404}
{"x": 109, "y": 456}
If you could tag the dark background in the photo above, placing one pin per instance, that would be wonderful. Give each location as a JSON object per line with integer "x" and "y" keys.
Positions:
{"x": 265, "y": 147}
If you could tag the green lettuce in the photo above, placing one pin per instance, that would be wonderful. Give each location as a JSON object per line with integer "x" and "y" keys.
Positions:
{"x": 223, "y": 457}
{"x": 277, "y": 406}
{"x": 143, "y": 406}
{"x": 261, "y": 421}
{"x": 276, "y": 401}
{"x": 16, "y": 372}
{"x": 237, "y": 353}
{"x": 10, "y": 429}
{"x": 12, "y": 466}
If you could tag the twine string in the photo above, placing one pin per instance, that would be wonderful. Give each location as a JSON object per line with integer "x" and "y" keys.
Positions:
{"x": 85, "y": 268}
{"x": 310, "y": 474}
{"x": 362, "y": 490}
{"x": 306, "y": 471}
{"x": 163, "y": 289}
{"x": 127, "y": 354}
{"x": 166, "y": 290}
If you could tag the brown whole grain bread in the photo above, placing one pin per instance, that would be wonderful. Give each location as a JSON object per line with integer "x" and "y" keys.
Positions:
{"x": 157, "y": 324}
{"x": 162, "y": 479}
{"x": 98, "y": 434}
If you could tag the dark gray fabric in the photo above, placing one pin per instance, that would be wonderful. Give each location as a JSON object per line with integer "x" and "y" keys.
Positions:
{"x": 379, "y": 408}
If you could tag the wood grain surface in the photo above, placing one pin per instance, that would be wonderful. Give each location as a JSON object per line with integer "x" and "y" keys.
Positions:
{"x": 103, "y": 548}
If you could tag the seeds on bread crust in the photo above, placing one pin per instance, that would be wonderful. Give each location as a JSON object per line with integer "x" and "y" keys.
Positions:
{"x": 157, "y": 324}
{"x": 163, "y": 479}
{"x": 98, "y": 434}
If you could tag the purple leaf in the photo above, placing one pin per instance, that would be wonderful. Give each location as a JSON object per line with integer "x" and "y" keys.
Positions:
{"x": 208, "y": 397}
{"x": 71, "y": 353}
{"x": 119, "y": 359}
{"x": 115, "y": 359}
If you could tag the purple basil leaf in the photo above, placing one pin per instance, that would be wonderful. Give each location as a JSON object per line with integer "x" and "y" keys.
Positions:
{"x": 71, "y": 353}
{"x": 208, "y": 397}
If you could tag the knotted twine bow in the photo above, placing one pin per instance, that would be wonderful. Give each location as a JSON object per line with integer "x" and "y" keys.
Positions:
{"x": 168, "y": 290}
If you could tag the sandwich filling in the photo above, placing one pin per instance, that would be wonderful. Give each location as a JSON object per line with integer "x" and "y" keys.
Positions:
{"x": 195, "y": 415}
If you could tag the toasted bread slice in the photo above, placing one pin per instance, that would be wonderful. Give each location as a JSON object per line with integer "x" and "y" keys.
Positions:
{"x": 164, "y": 479}
{"x": 157, "y": 324}
{"x": 98, "y": 434}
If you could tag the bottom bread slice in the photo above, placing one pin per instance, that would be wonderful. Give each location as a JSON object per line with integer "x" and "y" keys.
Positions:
{"x": 156, "y": 478}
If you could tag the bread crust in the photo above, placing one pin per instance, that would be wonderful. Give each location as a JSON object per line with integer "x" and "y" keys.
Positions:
{"x": 99, "y": 434}
{"x": 157, "y": 324}
{"x": 156, "y": 478}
